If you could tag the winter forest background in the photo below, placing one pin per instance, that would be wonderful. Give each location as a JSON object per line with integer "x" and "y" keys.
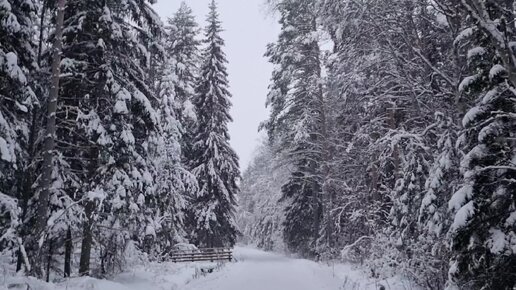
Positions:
{"x": 391, "y": 140}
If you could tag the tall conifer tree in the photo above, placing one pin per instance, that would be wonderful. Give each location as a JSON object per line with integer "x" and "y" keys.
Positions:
{"x": 174, "y": 71}
{"x": 107, "y": 124}
{"x": 483, "y": 230}
{"x": 17, "y": 100}
{"x": 183, "y": 60}
{"x": 215, "y": 164}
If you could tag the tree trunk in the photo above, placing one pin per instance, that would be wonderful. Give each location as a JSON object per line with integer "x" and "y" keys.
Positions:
{"x": 28, "y": 181}
{"x": 87, "y": 240}
{"x": 49, "y": 145}
{"x": 396, "y": 151}
{"x": 19, "y": 261}
{"x": 327, "y": 195}
{"x": 68, "y": 254}
{"x": 41, "y": 30}
{"x": 49, "y": 260}
{"x": 28, "y": 178}
{"x": 87, "y": 229}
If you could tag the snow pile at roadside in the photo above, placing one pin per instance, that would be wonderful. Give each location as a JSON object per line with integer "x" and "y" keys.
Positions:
{"x": 153, "y": 276}
{"x": 354, "y": 278}
{"x": 164, "y": 276}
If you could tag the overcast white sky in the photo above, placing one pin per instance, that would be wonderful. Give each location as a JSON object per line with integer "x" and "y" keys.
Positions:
{"x": 248, "y": 29}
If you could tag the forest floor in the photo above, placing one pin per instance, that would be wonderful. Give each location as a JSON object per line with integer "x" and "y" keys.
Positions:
{"x": 252, "y": 270}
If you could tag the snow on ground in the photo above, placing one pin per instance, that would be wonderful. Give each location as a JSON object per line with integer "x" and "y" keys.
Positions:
{"x": 153, "y": 276}
{"x": 164, "y": 276}
{"x": 258, "y": 270}
{"x": 353, "y": 278}
{"x": 253, "y": 270}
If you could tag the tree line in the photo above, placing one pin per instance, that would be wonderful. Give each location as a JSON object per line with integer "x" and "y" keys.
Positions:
{"x": 395, "y": 122}
{"x": 113, "y": 135}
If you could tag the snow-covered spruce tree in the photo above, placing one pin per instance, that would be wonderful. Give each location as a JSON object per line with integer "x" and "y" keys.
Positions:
{"x": 107, "y": 124}
{"x": 444, "y": 175}
{"x": 177, "y": 73}
{"x": 173, "y": 78}
{"x": 17, "y": 58}
{"x": 297, "y": 120}
{"x": 433, "y": 219}
{"x": 214, "y": 163}
{"x": 17, "y": 99}
{"x": 182, "y": 51}
{"x": 174, "y": 185}
{"x": 483, "y": 231}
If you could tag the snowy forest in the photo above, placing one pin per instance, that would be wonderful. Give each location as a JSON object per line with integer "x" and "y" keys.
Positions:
{"x": 390, "y": 142}
{"x": 113, "y": 135}
{"x": 391, "y": 139}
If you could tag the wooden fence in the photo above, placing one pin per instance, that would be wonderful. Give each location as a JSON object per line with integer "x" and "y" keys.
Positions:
{"x": 197, "y": 255}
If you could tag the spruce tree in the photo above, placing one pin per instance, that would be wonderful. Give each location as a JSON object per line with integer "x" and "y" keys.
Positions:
{"x": 17, "y": 101}
{"x": 215, "y": 164}
{"x": 175, "y": 71}
{"x": 107, "y": 124}
{"x": 182, "y": 62}
{"x": 182, "y": 46}
{"x": 483, "y": 228}
{"x": 17, "y": 60}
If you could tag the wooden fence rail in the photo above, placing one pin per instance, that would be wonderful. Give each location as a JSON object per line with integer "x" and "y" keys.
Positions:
{"x": 198, "y": 255}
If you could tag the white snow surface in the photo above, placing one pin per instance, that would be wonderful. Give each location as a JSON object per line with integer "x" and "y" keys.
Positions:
{"x": 258, "y": 270}
{"x": 252, "y": 270}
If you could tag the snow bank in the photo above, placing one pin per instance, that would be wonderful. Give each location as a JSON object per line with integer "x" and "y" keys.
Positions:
{"x": 355, "y": 278}
{"x": 153, "y": 276}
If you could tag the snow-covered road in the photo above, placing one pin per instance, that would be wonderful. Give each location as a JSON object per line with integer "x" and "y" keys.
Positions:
{"x": 258, "y": 270}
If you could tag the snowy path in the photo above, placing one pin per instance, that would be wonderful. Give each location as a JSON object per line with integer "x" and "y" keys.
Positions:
{"x": 257, "y": 270}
